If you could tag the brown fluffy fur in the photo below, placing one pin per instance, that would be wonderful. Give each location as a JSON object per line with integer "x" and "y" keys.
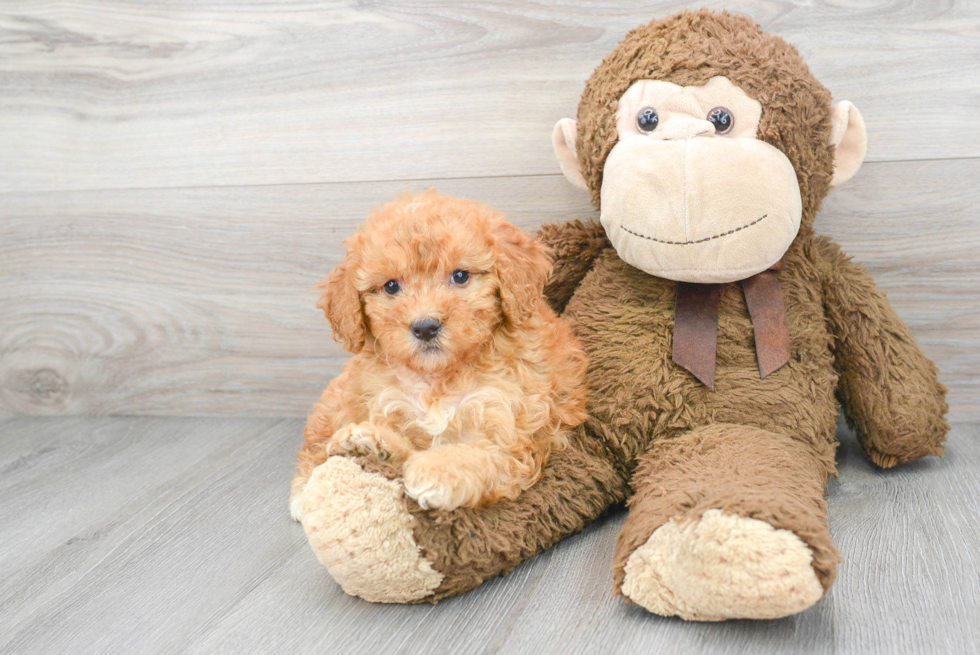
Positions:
{"x": 474, "y": 417}
{"x": 690, "y": 48}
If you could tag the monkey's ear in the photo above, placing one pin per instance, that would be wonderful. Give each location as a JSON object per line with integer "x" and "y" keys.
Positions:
{"x": 850, "y": 141}
{"x": 563, "y": 139}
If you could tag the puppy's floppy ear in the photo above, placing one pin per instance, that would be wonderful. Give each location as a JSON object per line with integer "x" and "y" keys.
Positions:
{"x": 341, "y": 304}
{"x": 523, "y": 266}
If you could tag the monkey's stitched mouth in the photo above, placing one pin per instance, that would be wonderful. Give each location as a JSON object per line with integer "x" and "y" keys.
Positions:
{"x": 690, "y": 243}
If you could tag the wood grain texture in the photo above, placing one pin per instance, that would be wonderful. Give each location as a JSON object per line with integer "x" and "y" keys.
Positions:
{"x": 215, "y": 149}
{"x": 172, "y": 535}
{"x": 194, "y": 301}
{"x": 199, "y": 301}
{"x": 162, "y": 93}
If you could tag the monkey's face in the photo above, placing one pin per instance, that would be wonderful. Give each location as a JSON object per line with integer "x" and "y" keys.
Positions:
{"x": 689, "y": 193}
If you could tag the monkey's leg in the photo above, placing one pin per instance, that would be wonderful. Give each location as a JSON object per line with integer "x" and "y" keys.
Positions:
{"x": 728, "y": 521}
{"x": 380, "y": 545}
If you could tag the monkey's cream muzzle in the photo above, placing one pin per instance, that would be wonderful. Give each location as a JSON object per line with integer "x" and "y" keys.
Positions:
{"x": 699, "y": 208}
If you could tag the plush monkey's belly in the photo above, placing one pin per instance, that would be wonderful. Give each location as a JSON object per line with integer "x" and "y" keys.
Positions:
{"x": 638, "y": 396}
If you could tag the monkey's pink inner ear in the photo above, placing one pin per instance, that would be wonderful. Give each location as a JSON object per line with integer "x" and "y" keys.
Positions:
{"x": 850, "y": 140}
{"x": 563, "y": 140}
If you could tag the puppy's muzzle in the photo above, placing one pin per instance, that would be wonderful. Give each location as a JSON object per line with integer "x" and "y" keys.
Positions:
{"x": 426, "y": 329}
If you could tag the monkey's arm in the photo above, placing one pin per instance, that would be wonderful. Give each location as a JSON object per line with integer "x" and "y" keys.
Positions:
{"x": 888, "y": 387}
{"x": 576, "y": 246}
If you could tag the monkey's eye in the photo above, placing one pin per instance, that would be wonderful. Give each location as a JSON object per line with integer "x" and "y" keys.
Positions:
{"x": 647, "y": 119}
{"x": 391, "y": 287}
{"x": 460, "y": 277}
{"x": 722, "y": 119}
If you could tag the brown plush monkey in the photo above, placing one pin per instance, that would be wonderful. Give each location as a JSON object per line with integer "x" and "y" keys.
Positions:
{"x": 721, "y": 331}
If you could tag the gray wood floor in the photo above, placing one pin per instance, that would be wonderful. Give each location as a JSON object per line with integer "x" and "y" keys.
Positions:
{"x": 147, "y": 535}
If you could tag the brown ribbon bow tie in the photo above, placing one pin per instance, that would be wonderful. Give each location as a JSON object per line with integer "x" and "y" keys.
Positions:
{"x": 696, "y": 324}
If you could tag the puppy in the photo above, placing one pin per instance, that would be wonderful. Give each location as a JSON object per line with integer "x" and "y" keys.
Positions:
{"x": 461, "y": 374}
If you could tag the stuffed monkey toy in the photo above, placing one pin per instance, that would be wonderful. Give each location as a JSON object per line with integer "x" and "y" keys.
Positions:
{"x": 723, "y": 334}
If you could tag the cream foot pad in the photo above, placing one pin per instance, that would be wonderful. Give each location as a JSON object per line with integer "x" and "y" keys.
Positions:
{"x": 357, "y": 524}
{"x": 722, "y": 567}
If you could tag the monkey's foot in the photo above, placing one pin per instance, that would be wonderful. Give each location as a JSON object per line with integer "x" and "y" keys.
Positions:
{"x": 722, "y": 567}
{"x": 360, "y": 529}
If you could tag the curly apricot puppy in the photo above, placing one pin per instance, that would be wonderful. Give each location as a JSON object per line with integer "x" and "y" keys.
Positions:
{"x": 461, "y": 371}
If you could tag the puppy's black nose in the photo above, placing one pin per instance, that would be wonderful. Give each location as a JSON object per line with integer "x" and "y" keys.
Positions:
{"x": 426, "y": 329}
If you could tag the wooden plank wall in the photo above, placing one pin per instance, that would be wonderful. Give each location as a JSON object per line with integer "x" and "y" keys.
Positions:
{"x": 174, "y": 177}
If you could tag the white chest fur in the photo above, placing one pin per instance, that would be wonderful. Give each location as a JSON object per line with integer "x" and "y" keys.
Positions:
{"x": 458, "y": 415}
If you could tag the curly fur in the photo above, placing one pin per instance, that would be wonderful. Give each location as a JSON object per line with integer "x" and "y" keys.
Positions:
{"x": 474, "y": 414}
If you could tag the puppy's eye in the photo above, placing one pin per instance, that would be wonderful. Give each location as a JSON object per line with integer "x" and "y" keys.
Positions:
{"x": 647, "y": 120}
{"x": 460, "y": 277}
{"x": 722, "y": 119}
{"x": 391, "y": 287}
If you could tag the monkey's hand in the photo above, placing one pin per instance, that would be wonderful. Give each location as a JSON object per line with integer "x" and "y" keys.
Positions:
{"x": 888, "y": 387}
{"x": 576, "y": 245}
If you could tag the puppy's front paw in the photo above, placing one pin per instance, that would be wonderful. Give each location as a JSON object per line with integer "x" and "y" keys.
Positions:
{"x": 361, "y": 439}
{"x": 434, "y": 484}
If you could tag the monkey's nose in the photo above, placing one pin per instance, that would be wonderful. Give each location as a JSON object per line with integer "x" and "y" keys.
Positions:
{"x": 685, "y": 128}
{"x": 426, "y": 329}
